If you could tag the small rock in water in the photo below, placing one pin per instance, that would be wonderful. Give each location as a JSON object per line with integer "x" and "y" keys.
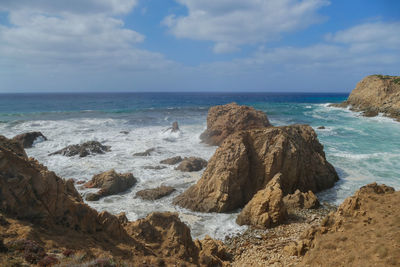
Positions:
{"x": 124, "y": 132}
{"x": 145, "y": 153}
{"x": 83, "y": 150}
{"x": 192, "y": 164}
{"x": 172, "y": 161}
{"x": 321, "y": 127}
{"x": 154, "y": 167}
{"x": 155, "y": 193}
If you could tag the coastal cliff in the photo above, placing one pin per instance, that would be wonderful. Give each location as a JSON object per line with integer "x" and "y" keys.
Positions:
{"x": 375, "y": 94}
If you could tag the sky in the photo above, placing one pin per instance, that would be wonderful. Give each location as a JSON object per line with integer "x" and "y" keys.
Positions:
{"x": 196, "y": 45}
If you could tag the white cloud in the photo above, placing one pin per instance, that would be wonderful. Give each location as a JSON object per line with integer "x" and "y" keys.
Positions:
{"x": 232, "y": 23}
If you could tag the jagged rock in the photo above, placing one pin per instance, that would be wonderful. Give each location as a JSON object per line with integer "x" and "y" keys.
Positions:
{"x": 154, "y": 167}
{"x": 172, "y": 161}
{"x": 155, "y": 193}
{"x": 375, "y": 94}
{"x": 122, "y": 218}
{"x": 212, "y": 252}
{"x": 27, "y": 139}
{"x": 226, "y": 119}
{"x": 266, "y": 209}
{"x": 12, "y": 146}
{"x": 110, "y": 183}
{"x": 145, "y": 153}
{"x": 192, "y": 164}
{"x": 365, "y": 224}
{"x": 301, "y": 200}
{"x": 248, "y": 160}
{"x": 83, "y": 150}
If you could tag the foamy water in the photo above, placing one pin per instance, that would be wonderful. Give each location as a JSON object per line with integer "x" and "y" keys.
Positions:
{"x": 363, "y": 150}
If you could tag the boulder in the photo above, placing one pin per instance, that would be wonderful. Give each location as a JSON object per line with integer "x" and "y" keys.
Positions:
{"x": 248, "y": 160}
{"x": 191, "y": 164}
{"x": 83, "y": 150}
{"x": 172, "y": 161}
{"x": 321, "y": 128}
{"x": 155, "y": 193}
{"x": 301, "y": 200}
{"x": 266, "y": 209}
{"x": 27, "y": 139}
{"x": 12, "y": 146}
{"x": 375, "y": 94}
{"x": 110, "y": 183}
{"x": 145, "y": 153}
{"x": 227, "y": 119}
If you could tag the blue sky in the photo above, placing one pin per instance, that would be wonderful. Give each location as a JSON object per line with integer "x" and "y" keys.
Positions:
{"x": 196, "y": 45}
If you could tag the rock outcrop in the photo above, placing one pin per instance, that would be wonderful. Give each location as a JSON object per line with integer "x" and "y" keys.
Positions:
{"x": 155, "y": 193}
{"x": 12, "y": 146}
{"x": 362, "y": 232}
{"x": 192, "y": 164}
{"x": 227, "y": 119}
{"x": 28, "y": 139}
{"x": 172, "y": 161}
{"x": 376, "y": 94}
{"x": 83, "y": 150}
{"x": 110, "y": 183}
{"x": 301, "y": 200}
{"x": 248, "y": 160}
{"x": 266, "y": 209}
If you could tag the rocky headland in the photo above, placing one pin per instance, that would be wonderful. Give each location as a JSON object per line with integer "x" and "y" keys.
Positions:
{"x": 375, "y": 94}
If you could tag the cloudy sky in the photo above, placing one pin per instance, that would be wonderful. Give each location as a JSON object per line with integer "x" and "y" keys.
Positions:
{"x": 196, "y": 45}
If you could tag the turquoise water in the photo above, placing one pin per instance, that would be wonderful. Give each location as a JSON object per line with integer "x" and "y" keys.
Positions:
{"x": 362, "y": 150}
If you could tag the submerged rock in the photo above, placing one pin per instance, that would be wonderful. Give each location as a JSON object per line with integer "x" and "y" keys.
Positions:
{"x": 248, "y": 160}
{"x": 228, "y": 119}
{"x": 27, "y": 139}
{"x": 154, "y": 167}
{"x": 375, "y": 94}
{"x": 192, "y": 164}
{"x": 83, "y": 150}
{"x": 266, "y": 208}
{"x": 172, "y": 161}
{"x": 145, "y": 153}
{"x": 155, "y": 193}
{"x": 110, "y": 183}
{"x": 301, "y": 200}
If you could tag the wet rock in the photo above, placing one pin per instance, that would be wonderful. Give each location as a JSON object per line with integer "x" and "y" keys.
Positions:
{"x": 124, "y": 132}
{"x": 83, "y": 150}
{"x": 27, "y": 139}
{"x": 227, "y": 119}
{"x": 154, "y": 167}
{"x": 192, "y": 164}
{"x": 248, "y": 160}
{"x": 266, "y": 209}
{"x": 172, "y": 161}
{"x": 12, "y": 146}
{"x": 145, "y": 153}
{"x": 155, "y": 193}
{"x": 110, "y": 183}
{"x": 301, "y": 200}
{"x": 321, "y": 128}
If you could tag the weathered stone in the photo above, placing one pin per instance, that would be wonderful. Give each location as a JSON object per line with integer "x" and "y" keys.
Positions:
{"x": 83, "y": 150}
{"x": 12, "y": 146}
{"x": 155, "y": 193}
{"x": 301, "y": 200}
{"x": 27, "y": 139}
{"x": 192, "y": 164}
{"x": 172, "y": 161}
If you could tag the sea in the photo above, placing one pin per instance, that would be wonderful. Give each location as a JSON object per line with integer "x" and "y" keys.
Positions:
{"x": 363, "y": 150}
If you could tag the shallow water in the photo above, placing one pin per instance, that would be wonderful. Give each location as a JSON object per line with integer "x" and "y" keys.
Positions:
{"x": 362, "y": 149}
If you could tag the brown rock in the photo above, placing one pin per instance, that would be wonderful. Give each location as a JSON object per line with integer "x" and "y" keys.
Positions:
{"x": 12, "y": 146}
{"x": 376, "y": 94}
{"x": 192, "y": 164}
{"x": 213, "y": 252}
{"x": 155, "y": 193}
{"x": 172, "y": 161}
{"x": 83, "y": 150}
{"x": 266, "y": 208}
{"x": 110, "y": 183}
{"x": 27, "y": 139}
{"x": 227, "y": 119}
{"x": 301, "y": 200}
{"x": 248, "y": 160}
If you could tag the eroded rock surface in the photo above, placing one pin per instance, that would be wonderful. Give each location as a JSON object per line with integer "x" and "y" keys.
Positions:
{"x": 376, "y": 94}
{"x": 301, "y": 200}
{"x": 172, "y": 161}
{"x": 12, "y": 146}
{"x": 224, "y": 120}
{"x": 192, "y": 164}
{"x": 27, "y": 139}
{"x": 83, "y": 150}
{"x": 110, "y": 183}
{"x": 266, "y": 209}
{"x": 155, "y": 193}
{"x": 248, "y": 160}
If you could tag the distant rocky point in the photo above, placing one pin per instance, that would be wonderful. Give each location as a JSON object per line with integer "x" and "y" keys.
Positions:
{"x": 375, "y": 94}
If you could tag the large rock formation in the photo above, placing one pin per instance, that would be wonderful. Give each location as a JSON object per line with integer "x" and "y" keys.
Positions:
{"x": 364, "y": 231}
{"x": 13, "y": 146}
{"x": 227, "y": 119}
{"x": 248, "y": 160}
{"x": 83, "y": 150}
{"x": 266, "y": 208}
{"x": 38, "y": 207}
{"x": 376, "y": 94}
{"x": 110, "y": 183}
{"x": 27, "y": 139}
